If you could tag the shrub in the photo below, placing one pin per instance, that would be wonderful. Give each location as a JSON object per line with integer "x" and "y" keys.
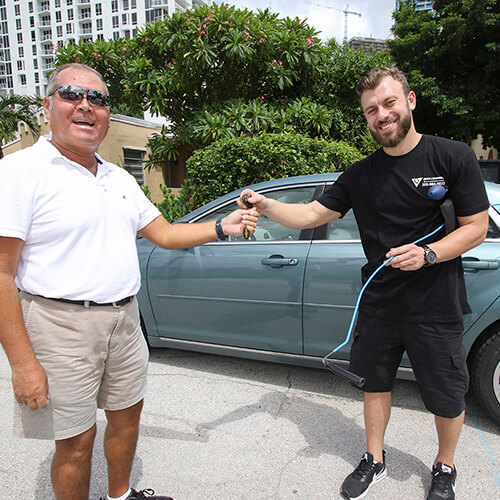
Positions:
{"x": 232, "y": 163}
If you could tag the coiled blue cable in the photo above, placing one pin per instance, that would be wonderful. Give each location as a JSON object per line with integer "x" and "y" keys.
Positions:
{"x": 356, "y": 307}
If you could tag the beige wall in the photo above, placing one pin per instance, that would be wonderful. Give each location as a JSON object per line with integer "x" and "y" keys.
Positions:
{"x": 121, "y": 134}
{"x": 481, "y": 153}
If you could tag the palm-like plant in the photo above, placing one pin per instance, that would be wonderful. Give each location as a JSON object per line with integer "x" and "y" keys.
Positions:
{"x": 16, "y": 108}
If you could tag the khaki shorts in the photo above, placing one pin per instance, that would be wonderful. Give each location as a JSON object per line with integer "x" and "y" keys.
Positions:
{"x": 94, "y": 357}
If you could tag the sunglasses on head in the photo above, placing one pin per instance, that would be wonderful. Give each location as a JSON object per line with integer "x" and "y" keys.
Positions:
{"x": 76, "y": 94}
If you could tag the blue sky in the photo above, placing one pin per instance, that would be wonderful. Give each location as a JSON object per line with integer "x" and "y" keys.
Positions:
{"x": 375, "y": 20}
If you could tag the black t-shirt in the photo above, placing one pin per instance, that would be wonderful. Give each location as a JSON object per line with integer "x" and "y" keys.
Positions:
{"x": 389, "y": 198}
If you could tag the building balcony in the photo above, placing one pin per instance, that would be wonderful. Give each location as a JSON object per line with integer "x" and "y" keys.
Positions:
{"x": 83, "y": 2}
{"x": 85, "y": 16}
{"x": 85, "y": 31}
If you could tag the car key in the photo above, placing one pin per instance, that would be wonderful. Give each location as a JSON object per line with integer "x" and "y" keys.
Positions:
{"x": 244, "y": 199}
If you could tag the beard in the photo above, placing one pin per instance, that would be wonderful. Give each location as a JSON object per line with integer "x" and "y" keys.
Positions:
{"x": 403, "y": 126}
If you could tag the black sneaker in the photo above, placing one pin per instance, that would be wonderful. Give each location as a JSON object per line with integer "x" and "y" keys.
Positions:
{"x": 357, "y": 484}
{"x": 444, "y": 478}
{"x": 143, "y": 494}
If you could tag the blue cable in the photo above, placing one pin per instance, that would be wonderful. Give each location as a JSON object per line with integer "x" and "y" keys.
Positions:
{"x": 356, "y": 307}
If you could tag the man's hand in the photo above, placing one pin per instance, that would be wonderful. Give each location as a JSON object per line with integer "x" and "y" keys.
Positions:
{"x": 31, "y": 386}
{"x": 236, "y": 221}
{"x": 407, "y": 257}
{"x": 257, "y": 200}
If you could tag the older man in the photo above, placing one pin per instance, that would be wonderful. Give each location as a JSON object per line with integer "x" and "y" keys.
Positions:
{"x": 416, "y": 304}
{"x": 72, "y": 335}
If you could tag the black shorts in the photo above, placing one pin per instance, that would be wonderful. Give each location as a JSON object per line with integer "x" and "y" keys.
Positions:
{"x": 436, "y": 353}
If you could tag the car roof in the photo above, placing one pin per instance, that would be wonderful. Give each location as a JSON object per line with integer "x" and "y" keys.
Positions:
{"x": 262, "y": 186}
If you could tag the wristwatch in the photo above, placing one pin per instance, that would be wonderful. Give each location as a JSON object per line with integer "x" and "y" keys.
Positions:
{"x": 219, "y": 230}
{"x": 430, "y": 256}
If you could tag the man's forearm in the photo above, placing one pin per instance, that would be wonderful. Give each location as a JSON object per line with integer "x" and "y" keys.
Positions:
{"x": 469, "y": 234}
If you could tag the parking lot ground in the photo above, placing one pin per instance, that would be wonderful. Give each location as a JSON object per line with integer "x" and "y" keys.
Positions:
{"x": 223, "y": 428}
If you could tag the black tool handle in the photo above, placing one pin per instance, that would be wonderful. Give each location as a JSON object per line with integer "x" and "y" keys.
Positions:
{"x": 244, "y": 199}
{"x": 338, "y": 370}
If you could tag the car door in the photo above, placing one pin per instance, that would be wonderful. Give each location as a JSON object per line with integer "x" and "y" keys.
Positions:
{"x": 240, "y": 293}
{"x": 332, "y": 284}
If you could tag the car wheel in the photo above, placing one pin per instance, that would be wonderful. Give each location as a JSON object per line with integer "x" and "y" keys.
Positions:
{"x": 485, "y": 374}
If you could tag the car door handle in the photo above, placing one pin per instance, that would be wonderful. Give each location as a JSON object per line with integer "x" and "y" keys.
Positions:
{"x": 279, "y": 260}
{"x": 479, "y": 264}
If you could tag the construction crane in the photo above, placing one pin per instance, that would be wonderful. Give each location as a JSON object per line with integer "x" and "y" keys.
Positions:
{"x": 346, "y": 12}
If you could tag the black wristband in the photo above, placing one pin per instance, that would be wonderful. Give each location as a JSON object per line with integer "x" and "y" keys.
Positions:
{"x": 219, "y": 231}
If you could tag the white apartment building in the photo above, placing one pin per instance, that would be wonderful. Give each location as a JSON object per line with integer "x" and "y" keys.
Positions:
{"x": 31, "y": 29}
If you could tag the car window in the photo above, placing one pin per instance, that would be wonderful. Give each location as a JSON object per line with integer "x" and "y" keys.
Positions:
{"x": 267, "y": 229}
{"x": 343, "y": 229}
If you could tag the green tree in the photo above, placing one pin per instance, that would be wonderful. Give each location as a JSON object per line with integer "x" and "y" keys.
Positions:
{"x": 451, "y": 57}
{"x": 196, "y": 63}
{"x": 13, "y": 109}
{"x": 336, "y": 89}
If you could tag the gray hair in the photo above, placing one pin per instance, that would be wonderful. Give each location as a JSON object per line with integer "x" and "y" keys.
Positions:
{"x": 53, "y": 83}
{"x": 375, "y": 76}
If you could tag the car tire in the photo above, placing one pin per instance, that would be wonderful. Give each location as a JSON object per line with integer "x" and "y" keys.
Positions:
{"x": 485, "y": 374}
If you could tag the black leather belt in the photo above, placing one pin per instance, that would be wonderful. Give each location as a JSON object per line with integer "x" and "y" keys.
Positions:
{"x": 88, "y": 303}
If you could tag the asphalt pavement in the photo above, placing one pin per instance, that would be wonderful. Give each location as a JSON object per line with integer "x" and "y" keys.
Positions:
{"x": 222, "y": 428}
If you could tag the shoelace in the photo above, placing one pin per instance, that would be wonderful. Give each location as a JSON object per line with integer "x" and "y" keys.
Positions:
{"x": 363, "y": 468}
{"x": 142, "y": 494}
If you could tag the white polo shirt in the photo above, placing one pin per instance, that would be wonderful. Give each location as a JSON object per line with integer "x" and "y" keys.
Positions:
{"x": 79, "y": 230}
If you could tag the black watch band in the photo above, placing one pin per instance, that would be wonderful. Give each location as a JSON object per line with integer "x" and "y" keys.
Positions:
{"x": 219, "y": 231}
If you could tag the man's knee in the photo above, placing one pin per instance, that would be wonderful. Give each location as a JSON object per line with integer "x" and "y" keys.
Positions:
{"x": 77, "y": 448}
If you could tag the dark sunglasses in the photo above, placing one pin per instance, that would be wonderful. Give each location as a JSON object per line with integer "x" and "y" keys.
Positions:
{"x": 72, "y": 93}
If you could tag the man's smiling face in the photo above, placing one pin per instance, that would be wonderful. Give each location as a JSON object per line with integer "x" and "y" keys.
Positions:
{"x": 388, "y": 112}
{"x": 77, "y": 126}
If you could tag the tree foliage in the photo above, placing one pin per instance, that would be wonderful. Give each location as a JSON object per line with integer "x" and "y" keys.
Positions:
{"x": 452, "y": 59}
{"x": 335, "y": 88}
{"x": 16, "y": 108}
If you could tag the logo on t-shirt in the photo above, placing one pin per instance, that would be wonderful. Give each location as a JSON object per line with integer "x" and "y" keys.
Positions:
{"x": 428, "y": 181}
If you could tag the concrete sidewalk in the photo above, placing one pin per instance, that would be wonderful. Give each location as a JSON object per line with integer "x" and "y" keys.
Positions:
{"x": 223, "y": 428}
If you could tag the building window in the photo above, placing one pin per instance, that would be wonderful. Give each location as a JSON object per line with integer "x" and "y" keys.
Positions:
{"x": 69, "y": 28}
{"x": 18, "y": 24}
{"x": 100, "y": 36}
{"x": 17, "y": 10}
{"x": 20, "y": 51}
{"x": 126, "y": 34}
{"x": 98, "y": 24}
{"x": 125, "y": 4}
{"x": 116, "y": 35}
{"x": 133, "y": 4}
{"x": 59, "y": 31}
{"x": 116, "y": 22}
{"x": 33, "y": 36}
{"x": 124, "y": 19}
{"x": 22, "y": 79}
{"x": 35, "y": 63}
{"x": 70, "y": 15}
{"x": 20, "y": 65}
{"x": 33, "y": 50}
{"x": 134, "y": 18}
{"x": 37, "y": 78}
{"x": 69, "y": 2}
{"x": 20, "y": 38}
{"x": 133, "y": 163}
{"x": 57, "y": 4}
{"x": 58, "y": 16}
{"x": 114, "y": 5}
{"x": 32, "y": 22}
{"x": 98, "y": 9}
